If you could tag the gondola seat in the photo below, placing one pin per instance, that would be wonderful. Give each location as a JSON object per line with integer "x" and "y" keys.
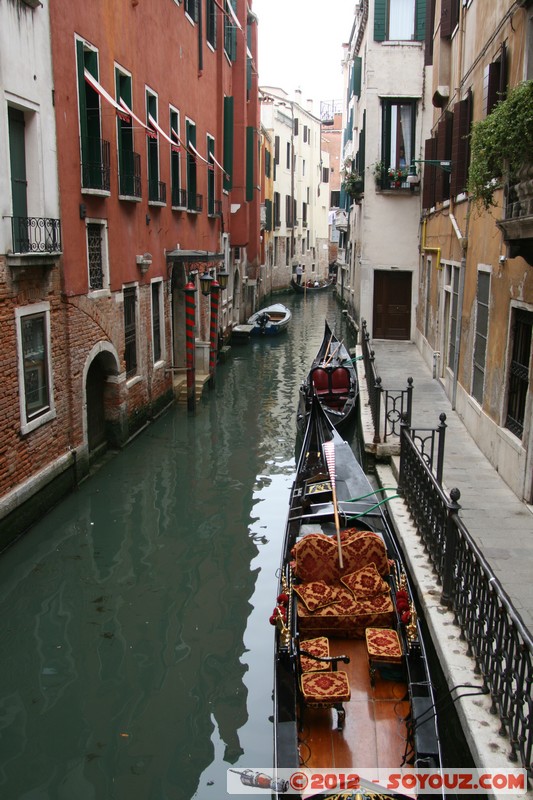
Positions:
{"x": 321, "y": 684}
{"x": 320, "y": 379}
{"x": 384, "y": 653}
{"x": 334, "y": 602}
{"x": 340, "y": 381}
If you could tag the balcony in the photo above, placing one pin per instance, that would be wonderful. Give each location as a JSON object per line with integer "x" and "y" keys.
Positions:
{"x": 95, "y": 167}
{"x": 215, "y": 208}
{"x": 130, "y": 174}
{"x": 36, "y": 241}
{"x": 517, "y": 224}
{"x": 179, "y": 197}
{"x": 157, "y": 192}
{"x": 195, "y": 203}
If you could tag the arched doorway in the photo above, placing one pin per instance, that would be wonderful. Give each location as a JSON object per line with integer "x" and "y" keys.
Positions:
{"x": 102, "y": 406}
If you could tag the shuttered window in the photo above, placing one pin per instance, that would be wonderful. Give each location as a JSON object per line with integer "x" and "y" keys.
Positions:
{"x": 228, "y": 143}
{"x": 480, "y": 341}
{"x": 250, "y": 162}
{"x": 460, "y": 145}
{"x": 429, "y": 28}
{"x": 357, "y": 67}
{"x": 444, "y": 153}
{"x": 518, "y": 381}
{"x": 449, "y": 17}
{"x": 428, "y": 187}
{"x": 400, "y": 20}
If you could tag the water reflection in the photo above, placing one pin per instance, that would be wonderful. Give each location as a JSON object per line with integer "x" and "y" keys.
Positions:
{"x": 137, "y": 651}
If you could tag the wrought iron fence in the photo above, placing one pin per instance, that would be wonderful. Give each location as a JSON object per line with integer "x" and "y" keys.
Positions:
{"x": 96, "y": 169}
{"x": 36, "y": 235}
{"x": 497, "y": 639}
{"x": 387, "y": 406}
{"x": 179, "y": 197}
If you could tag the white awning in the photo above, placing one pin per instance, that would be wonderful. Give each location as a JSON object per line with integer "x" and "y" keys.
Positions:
{"x": 196, "y": 153}
{"x": 154, "y": 124}
{"x": 130, "y": 112}
{"x": 91, "y": 80}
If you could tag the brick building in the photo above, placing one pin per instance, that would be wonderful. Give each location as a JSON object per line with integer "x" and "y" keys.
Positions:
{"x": 152, "y": 110}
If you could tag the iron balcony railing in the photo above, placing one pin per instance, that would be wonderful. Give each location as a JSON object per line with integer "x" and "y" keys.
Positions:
{"x": 215, "y": 208}
{"x": 157, "y": 191}
{"x": 95, "y": 167}
{"x": 195, "y": 202}
{"x": 130, "y": 174}
{"x": 179, "y": 197}
{"x": 497, "y": 639}
{"x": 35, "y": 235}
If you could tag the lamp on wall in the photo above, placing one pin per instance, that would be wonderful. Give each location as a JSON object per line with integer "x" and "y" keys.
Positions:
{"x": 222, "y": 278}
{"x": 205, "y": 282}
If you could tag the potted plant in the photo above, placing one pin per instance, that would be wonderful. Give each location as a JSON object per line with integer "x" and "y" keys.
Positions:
{"x": 353, "y": 185}
{"x": 397, "y": 176}
{"x": 378, "y": 170}
{"x": 501, "y": 145}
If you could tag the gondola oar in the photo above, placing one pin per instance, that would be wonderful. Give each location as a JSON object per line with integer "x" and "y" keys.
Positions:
{"x": 329, "y": 452}
{"x": 327, "y": 348}
{"x": 334, "y": 353}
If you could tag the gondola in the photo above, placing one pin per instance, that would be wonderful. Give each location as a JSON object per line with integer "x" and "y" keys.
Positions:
{"x": 352, "y": 688}
{"x": 333, "y": 377}
{"x": 270, "y": 321}
{"x": 311, "y": 286}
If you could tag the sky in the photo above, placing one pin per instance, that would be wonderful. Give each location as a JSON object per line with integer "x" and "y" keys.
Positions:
{"x": 300, "y": 45}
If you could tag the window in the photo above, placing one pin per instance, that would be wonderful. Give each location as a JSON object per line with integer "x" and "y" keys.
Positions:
{"x": 454, "y": 278}
{"x": 518, "y": 379}
{"x": 130, "y": 330}
{"x": 335, "y": 199}
{"x": 495, "y": 81}
{"x": 190, "y": 128}
{"x": 178, "y": 200}
{"x": 460, "y": 154}
{"x": 449, "y": 17}
{"x": 402, "y": 20}
{"x": 268, "y": 163}
{"x": 94, "y": 152}
{"x": 288, "y": 155}
{"x": 97, "y": 255}
{"x": 228, "y": 143}
{"x": 480, "y": 341}
{"x": 35, "y": 371}
{"x": 230, "y": 31}
{"x": 191, "y": 9}
{"x": 277, "y": 210}
{"x": 398, "y": 143}
{"x": 325, "y": 175}
{"x": 210, "y": 176}
{"x": 251, "y": 155}
{"x": 156, "y": 189}
{"x": 211, "y": 23}
{"x": 288, "y": 211}
{"x": 129, "y": 162}
{"x": 287, "y": 251}
{"x": 157, "y": 319}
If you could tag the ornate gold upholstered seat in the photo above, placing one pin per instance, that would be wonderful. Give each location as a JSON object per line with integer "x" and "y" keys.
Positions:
{"x": 321, "y": 685}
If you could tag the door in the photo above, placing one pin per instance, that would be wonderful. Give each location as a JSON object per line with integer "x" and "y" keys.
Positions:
{"x": 19, "y": 184}
{"x": 392, "y": 305}
{"x": 96, "y": 434}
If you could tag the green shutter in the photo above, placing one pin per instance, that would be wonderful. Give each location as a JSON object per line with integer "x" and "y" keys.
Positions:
{"x": 250, "y": 158}
{"x": 356, "y": 75}
{"x": 268, "y": 210}
{"x": 420, "y": 20}
{"x": 380, "y": 20}
{"x": 210, "y": 176}
{"x": 81, "y": 90}
{"x": 228, "y": 143}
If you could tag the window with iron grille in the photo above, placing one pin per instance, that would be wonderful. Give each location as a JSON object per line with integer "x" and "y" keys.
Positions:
{"x": 454, "y": 279}
{"x": 95, "y": 254}
{"x": 480, "y": 341}
{"x": 130, "y": 330}
{"x": 211, "y": 23}
{"x": 519, "y": 368}
{"x": 157, "y": 333}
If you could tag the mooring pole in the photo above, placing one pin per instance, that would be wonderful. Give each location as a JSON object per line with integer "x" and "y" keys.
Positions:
{"x": 190, "y": 309}
{"x": 213, "y": 338}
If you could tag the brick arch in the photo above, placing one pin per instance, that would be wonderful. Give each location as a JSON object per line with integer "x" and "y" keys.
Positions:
{"x": 102, "y": 406}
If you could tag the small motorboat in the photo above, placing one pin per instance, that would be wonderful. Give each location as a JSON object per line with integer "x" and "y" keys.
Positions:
{"x": 333, "y": 378}
{"x": 352, "y": 685}
{"x": 270, "y": 321}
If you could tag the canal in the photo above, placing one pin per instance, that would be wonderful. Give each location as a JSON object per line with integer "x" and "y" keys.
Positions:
{"x": 136, "y": 648}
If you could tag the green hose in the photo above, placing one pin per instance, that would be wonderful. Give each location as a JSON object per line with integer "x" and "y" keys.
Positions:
{"x": 377, "y": 505}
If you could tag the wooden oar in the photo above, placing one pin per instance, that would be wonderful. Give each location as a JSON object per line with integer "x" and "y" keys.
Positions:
{"x": 327, "y": 349}
{"x": 329, "y": 452}
{"x": 334, "y": 353}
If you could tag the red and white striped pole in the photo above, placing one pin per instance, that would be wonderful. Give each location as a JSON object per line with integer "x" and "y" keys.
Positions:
{"x": 213, "y": 337}
{"x": 190, "y": 315}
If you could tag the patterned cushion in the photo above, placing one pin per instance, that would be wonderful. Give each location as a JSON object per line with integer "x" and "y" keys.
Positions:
{"x": 366, "y": 582}
{"x": 316, "y": 555}
{"x": 325, "y": 688}
{"x": 315, "y": 594}
{"x": 347, "y": 616}
{"x": 383, "y": 644}
{"x": 319, "y": 647}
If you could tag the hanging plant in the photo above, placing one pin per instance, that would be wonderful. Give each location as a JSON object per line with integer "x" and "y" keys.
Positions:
{"x": 501, "y": 144}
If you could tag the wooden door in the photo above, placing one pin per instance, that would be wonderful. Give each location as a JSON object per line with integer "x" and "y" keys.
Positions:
{"x": 392, "y": 305}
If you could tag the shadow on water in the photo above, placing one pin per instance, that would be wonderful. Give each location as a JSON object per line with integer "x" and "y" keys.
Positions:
{"x": 135, "y": 614}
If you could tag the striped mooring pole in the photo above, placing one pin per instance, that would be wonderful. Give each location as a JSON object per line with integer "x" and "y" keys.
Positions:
{"x": 213, "y": 338}
{"x": 190, "y": 309}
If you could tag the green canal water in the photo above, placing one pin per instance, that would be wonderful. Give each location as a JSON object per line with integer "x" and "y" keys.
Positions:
{"x": 136, "y": 648}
